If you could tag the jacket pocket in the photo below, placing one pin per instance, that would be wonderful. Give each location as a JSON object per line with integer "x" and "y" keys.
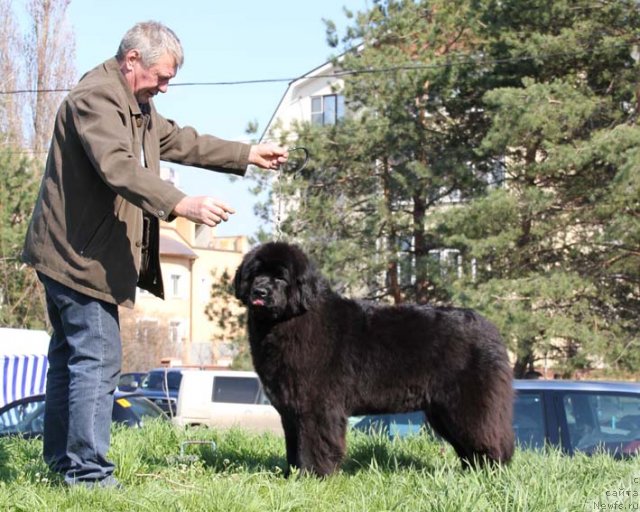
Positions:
{"x": 97, "y": 237}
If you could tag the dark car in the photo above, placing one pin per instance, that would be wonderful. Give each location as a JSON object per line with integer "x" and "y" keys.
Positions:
{"x": 25, "y": 417}
{"x": 161, "y": 386}
{"x": 575, "y": 416}
{"x": 130, "y": 381}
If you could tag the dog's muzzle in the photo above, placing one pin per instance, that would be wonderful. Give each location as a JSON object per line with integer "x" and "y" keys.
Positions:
{"x": 259, "y": 297}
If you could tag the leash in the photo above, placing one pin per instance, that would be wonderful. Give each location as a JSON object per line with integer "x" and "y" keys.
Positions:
{"x": 294, "y": 174}
{"x": 305, "y": 160}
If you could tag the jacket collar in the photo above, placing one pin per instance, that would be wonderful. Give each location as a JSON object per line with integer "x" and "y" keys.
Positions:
{"x": 113, "y": 69}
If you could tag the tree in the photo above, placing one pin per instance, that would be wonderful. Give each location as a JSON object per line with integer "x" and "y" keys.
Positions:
{"x": 145, "y": 341}
{"x": 40, "y": 61}
{"x": 503, "y": 132}
{"x": 21, "y": 300}
{"x": 49, "y": 52}
{"x": 10, "y": 72}
{"x": 375, "y": 177}
{"x": 554, "y": 270}
{"x": 230, "y": 318}
{"x": 37, "y": 66}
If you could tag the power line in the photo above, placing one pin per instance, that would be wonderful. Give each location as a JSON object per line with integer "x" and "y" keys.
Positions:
{"x": 454, "y": 60}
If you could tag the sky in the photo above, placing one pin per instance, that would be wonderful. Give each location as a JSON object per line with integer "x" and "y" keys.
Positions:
{"x": 223, "y": 41}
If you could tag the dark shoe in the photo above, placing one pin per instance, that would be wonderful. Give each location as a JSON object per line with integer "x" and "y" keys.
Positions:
{"x": 109, "y": 482}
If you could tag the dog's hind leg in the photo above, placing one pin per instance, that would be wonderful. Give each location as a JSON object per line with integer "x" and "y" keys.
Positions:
{"x": 441, "y": 424}
{"x": 481, "y": 438}
{"x": 322, "y": 442}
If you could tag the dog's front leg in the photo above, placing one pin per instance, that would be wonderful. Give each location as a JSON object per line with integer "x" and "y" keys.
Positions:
{"x": 322, "y": 442}
{"x": 291, "y": 441}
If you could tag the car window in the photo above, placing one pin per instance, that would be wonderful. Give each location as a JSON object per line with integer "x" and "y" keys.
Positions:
{"x": 239, "y": 390}
{"x": 24, "y": 417}
{"x": 394, "y": 425}
{"x": 126, "y": 380}
{"x": 603, "y": 421}
{"x": 406, "y": 424}
{"x": 528, "y": 420}
{"x": 155, "y": 381}
{"x": 130, "y": 381}
{"x": 263, "y": 399}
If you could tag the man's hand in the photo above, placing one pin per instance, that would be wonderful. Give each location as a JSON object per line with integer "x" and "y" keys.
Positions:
{"x": 203, "y": 210}
{"x": 268, "y": 156}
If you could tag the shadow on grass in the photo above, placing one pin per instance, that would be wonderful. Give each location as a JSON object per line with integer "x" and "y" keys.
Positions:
{"x": 157, "y": 447}
{"x": 385, "y": 456}
{"x": 367, "y": 453}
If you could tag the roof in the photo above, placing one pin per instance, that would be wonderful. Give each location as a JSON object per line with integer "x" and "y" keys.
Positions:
{"x": 309, "y": 75}
{"x": 171, "y": 247}
{"x": 576, "y": 385}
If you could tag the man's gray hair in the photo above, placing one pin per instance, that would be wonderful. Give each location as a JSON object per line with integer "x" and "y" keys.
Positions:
{"x": 152, "y": 40}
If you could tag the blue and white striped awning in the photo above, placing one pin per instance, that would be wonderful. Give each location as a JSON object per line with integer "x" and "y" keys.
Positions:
{"x": 22, "y": 375}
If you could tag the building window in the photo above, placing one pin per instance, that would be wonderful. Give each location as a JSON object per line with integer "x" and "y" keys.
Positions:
{"x": 406, "y": 262}
{"x": 448, "y": 262}
{"x": 205, "y": 290}
{"x": 327, "y": 109}
{"x": 175, "y": 282}
{"x": 176, "y": 332}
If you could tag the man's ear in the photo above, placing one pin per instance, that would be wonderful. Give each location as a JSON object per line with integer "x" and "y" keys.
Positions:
{"x": 130, "y": 58}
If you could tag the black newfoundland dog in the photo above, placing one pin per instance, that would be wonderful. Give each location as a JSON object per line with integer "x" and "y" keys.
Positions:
{"x": 323, "y": 358}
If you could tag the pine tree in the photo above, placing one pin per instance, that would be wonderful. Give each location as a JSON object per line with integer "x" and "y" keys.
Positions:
{"x": 407, "y": 147}
{"x": 502, "y": 133}
{"x": 554, "y": 268}
{"x": 21, "y": 303}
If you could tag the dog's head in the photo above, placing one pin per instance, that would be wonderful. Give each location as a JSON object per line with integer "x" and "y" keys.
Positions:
{"x": 277, "y": 280}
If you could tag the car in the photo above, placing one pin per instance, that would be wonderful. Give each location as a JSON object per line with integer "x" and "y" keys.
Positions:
{"x": 161, "y": 386}
{"x": 224, "y": 399}
{"x": 574, "y": 416}
{"x": 130, "y": 381}
{"x": 25, "y": 416}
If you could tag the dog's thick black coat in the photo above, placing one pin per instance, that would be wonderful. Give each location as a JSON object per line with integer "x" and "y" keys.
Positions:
{"x": 323, "y": 358}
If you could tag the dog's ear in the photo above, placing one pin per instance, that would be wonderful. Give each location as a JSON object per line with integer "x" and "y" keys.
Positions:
{"x": 243, "y": 278}
{"x": 240, "y": 286}
{"x": 310, "y": 285}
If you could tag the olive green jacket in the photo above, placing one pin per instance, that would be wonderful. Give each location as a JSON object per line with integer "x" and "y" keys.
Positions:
{"x": 86, "y": 231}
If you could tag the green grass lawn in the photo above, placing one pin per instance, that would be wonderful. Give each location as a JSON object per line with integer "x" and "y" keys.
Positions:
{"x": 245, "y": 473}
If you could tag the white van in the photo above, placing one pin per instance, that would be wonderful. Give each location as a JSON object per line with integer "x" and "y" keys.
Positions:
{"x": 224, "y": 399}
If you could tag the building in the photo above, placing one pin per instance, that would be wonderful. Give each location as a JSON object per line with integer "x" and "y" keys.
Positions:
{"x": 178, "y": 328}
{"x": 316, "y": 97}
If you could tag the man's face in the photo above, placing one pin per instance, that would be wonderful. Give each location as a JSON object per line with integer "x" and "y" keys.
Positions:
{"x": 147, "y": 82}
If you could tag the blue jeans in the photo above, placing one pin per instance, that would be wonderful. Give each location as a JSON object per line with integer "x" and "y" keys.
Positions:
{"x": 85, "y": 356}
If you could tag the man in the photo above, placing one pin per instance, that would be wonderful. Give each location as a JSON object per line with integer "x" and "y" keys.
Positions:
{"x": 94, "y": 234}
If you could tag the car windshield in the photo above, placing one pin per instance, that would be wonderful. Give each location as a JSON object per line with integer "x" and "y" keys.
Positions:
{"x": 603, "y": 422}
{"x": 132, "y": 410}
{"x": 155, "y": 381}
